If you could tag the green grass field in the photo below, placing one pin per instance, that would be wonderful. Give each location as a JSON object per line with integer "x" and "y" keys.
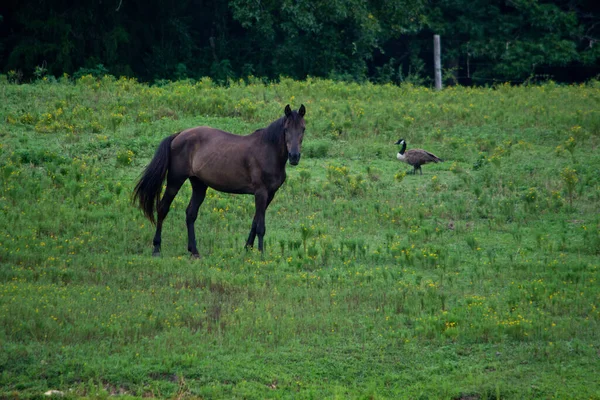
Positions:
{"x": 476, "y": 280}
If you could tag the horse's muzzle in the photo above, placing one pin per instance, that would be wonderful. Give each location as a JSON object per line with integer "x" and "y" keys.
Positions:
{"x": 294, "y": 158}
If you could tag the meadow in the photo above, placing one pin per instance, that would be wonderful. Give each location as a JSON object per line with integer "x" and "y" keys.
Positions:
{"x": 476, "y": 280}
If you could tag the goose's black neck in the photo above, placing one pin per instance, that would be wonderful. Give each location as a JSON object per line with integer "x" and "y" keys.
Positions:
{"x": 403, "y": 149}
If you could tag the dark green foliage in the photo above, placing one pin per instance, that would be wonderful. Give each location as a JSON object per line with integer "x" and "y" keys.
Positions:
{"x": 516, "y": 40}
{"x": 384, "y": 41}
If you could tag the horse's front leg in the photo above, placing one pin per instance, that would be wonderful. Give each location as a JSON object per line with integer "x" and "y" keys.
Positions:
{"x": 262, "y": 199}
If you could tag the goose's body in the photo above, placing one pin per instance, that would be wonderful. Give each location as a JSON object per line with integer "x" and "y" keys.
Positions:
{"x": 416, "y": 157}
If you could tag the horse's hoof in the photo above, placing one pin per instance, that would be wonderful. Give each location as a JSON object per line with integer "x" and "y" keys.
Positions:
{"x": 156, "y": 254}
{"x": 195, "y": 256}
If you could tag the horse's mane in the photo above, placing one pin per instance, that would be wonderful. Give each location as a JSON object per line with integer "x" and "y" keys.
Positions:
{"x": 274, "y": 131}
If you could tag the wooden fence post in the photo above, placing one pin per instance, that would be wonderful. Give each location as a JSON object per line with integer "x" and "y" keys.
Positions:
{"x": 437, "y": 62}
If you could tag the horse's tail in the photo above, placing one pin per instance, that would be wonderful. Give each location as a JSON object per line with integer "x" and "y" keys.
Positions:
{"x": 147, "y": 191}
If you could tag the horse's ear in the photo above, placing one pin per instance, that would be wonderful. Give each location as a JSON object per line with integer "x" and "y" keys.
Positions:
{"x": 288, "y": 111}
{"x": 302, "y": 110}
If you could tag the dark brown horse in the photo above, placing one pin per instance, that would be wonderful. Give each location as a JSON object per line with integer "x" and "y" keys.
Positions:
{"x": 208, "y": 157}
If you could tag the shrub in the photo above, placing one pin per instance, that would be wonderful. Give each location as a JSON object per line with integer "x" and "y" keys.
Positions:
{"x": 318, "y": 148}
{"x": 125, "y": 157}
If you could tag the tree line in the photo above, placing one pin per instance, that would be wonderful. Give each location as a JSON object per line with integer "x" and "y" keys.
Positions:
{"x": 483, "y": 41}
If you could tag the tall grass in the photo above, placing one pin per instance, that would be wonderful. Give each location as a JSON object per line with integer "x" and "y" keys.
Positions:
{"x": 478, "y": 279}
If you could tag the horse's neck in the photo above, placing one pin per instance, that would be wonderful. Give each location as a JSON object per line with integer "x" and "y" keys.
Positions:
{"x": 275, "y": 139}
{"x": 281, "y": 149}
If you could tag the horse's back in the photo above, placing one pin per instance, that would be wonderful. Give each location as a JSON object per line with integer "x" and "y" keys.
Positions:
{"x": 218, "y": 158}
{"x": 207, "y": 140}
{"x": 203, "y": 135}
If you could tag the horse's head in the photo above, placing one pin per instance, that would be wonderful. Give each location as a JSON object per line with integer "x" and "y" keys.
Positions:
{"x": 293, "y": 126}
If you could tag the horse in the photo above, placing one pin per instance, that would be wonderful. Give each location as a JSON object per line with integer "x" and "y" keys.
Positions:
{"x": 208, "y": 157}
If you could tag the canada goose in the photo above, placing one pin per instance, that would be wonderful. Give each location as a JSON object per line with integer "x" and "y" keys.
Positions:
{"x": 415, "y": 157}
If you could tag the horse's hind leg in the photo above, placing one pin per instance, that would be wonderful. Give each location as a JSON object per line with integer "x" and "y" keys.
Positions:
{"x": 191, "y": 213}
{"x": 173, "y": 185}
